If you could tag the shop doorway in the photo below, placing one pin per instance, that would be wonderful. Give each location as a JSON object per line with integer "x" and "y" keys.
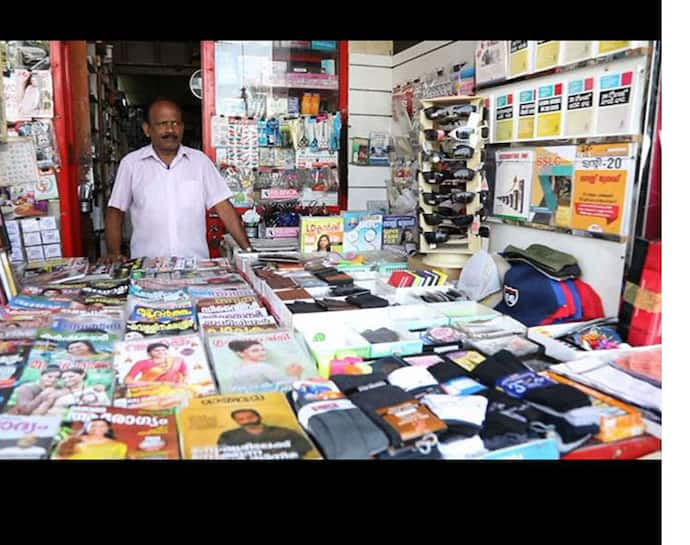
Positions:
{"x": 146, "y": 70}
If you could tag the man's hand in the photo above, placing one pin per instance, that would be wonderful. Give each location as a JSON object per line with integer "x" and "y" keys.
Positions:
{"x": 233, "y": 223}
{"x": 113, "y": 258}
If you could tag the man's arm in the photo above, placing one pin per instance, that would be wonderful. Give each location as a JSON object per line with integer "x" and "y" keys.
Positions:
{"x": 114, "y": 218}
{"x": 233, "y": 223}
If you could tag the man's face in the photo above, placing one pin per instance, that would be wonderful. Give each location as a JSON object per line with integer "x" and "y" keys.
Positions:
{"x": 49, "y": 379}
{"x": 165, "y": 127}
{"x": 247, "y": 418}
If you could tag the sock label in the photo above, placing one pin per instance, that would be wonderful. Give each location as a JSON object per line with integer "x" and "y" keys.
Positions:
{"x": 518, "y": 384}
{"x": 306, "y": 412}
{"x": 411, "y": 420}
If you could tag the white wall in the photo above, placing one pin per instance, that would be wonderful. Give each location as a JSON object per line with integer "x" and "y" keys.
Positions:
{"x": 429, "y": 55}
{"x": 369, "y": 109}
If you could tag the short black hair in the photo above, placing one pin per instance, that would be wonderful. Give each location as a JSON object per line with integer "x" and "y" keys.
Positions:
{"x": 147, "y": 110}
{"x": 150, "y": 348}
{"x": 51, "y": 369}
{"x": 233, "y": 413}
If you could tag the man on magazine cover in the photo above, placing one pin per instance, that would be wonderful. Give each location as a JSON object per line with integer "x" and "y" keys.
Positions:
{"x": 168, "y": 187}
{"x": 256, "y": 440}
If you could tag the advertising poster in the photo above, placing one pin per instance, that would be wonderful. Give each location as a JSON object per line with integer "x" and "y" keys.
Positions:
{"x": 603, "y": 173}
{"x": 551, "y": 197}
{"x": 514, "y": 171}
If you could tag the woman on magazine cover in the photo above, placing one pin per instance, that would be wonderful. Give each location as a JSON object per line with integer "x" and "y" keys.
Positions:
{"x": 160, "y": 367}
{"x": 95, "y": 442}
{"x": 254, "y": 370}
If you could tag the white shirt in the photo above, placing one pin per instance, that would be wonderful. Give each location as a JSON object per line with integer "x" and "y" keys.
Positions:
{"x": 168, "y": 204}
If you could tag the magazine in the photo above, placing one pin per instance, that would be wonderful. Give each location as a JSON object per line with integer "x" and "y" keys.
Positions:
{"x": 27, "y": 437}
{"x": 12, "y": 366}
{"x": 400, "y": 234}
{"x": 138, "y": 330}
{"x": 49, "y": 384}
{"x": 179, "y": 360}
{"x": 363, "y": 231}
{"x": 74, "y": 321}
{"x": 321, "y": 234}
{"x": 107, "y": 433}
{"x": 259, "y": 362}
{"x": 221, "y": 305}
{"x": 243, "y": 427}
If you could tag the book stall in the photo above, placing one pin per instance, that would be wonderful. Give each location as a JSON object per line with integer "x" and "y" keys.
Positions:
{"x": 310, "y": 355}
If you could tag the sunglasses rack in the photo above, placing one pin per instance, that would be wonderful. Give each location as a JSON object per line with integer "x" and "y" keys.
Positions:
{"x": 453, "y": 132}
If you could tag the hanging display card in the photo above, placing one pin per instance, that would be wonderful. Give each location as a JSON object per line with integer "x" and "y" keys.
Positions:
{"x": 603, "y": 174}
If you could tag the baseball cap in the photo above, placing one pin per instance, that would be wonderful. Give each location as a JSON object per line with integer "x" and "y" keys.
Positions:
{"x": 531, "y": 297}
{"x": 480, "y": 277}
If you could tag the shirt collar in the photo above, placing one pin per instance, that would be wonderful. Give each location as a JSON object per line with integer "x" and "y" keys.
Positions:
{"x": 148, "y": 151}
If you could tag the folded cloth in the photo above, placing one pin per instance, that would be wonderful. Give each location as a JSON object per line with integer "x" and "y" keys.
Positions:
{"x": 341, "y": 429}
{"x": 509, "y": 421}
{"x": 301, "y": 307}
{"x": 355, "y": 383}
{"x": 464, "y": 415}
{"x": 380, "y": 335}
{"x": 542, "y": 256}
{"x": 462, "y": 448}
{"x": 569, "y": 272}
{"x": 387, "y": 365}
{"x": 415, "y": 380}
{"x": 367, "y": 300}
{"x": 334, "y": 304}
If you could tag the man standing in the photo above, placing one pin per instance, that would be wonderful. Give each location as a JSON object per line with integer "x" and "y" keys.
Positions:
{"x": 168, "y": 188}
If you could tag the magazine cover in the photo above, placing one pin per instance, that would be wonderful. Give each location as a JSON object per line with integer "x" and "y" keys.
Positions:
{"x": 27, "y": 437}
{"x": 179, "y": 360}
{"x": 34, "y": 94}
{"x": 68, "y": 322}
{"x": 162, "y": 313}
{"x": 49, "y": 389}
{"x": 222, "y": 305}
{"x": 491, "y": 61}
{"x": 12, "y": 366}
{"x": 259, "y": 362}
{"x": 400, "y": 233}
{"x": 321, "y": 234}
{"x": 243, "y": 427}
{"x": 552, "y": 186}
{"x": 513, "y": 185}
{"x": 43, "y": 134}
{"x": 114, "y": 433}
{"x": 362, "y": 231}
{"x": 139, "y": 329}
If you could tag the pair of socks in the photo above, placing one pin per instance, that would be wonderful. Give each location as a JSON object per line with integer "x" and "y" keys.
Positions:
{"x": 373, "y": 394}
{"x": 555, "y": 396}
{"x": 454, "y": 380}
{"x": 509, "y": 421}
{"x": 342, "y": 430}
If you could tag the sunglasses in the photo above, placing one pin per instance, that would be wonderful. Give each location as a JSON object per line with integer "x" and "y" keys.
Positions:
{"x": 457, "y": 196}
{"x": 458, "y": 220}
{"x": 457, "y": 133}
{"x": 441, "y": 112}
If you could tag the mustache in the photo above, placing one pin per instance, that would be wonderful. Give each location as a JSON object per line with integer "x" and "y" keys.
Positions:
{"x": 170, "y": 136}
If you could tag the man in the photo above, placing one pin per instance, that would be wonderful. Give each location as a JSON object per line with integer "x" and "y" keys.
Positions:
{"x": 168, "y": 187}
{"x": 34, "y": 398}
{"x": 255, "y": 440}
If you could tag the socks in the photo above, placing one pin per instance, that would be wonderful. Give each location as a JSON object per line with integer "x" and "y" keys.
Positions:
{"x": 464, "y": 415}
{"x": 463, "y": 448}
{"x": 560, "y": 398}
{"x": 415, "y": 380}
{"x": 341, "y": 429}
{"x": 367, "y": 300}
